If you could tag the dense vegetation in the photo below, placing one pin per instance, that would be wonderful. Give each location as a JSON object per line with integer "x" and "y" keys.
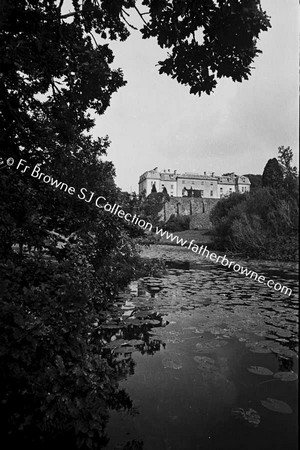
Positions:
{"x": 255, "y": 180}
{"x": 263, "y": 223}
{"x": 177, "y": 223}
{"x": 63, "y": 260}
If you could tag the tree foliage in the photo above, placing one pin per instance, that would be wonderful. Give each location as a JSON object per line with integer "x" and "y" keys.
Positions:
{"x": 206, "y": 40}
{"x": 263, "y": 223}
{"x": 153, "y": 189}
{"x": 272, "y": 175}
{"x": 255, "y": 180}
{"x": 290, "y": 174}
{"x": 177, "y": 223}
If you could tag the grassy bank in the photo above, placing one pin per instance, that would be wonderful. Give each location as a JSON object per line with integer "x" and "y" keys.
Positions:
{"x": 200, "y": 237}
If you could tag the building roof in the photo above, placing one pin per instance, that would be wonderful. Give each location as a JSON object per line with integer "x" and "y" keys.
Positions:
{"x": 226, "y": 180}
{"x": 233, "y": 180}
{"x": 168, "y": 176}
{"x": 243, "y": 180}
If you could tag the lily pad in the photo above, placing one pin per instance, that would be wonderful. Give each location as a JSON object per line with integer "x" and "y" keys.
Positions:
{"x": 286, "y": 376}
{"x": 256, "y": 347}
{"x": 210, "y": 346}
{"x": 205, "y": 363}
{"x": 258, "y": 370}
{"x": 276, "y": 405}
{"x": 249, "y": 416}
{"x": 171, "y": 364}
{"x": 152, "y": 321}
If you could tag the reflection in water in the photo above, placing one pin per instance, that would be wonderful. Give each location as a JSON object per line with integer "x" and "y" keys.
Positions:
{"x": 210, "y": 357}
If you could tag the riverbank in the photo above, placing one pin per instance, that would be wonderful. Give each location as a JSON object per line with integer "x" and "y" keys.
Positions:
{"x": 199, "y": 237}
{"x": 205, "y": 237}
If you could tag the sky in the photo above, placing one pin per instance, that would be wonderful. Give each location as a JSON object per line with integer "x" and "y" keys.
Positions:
{"x": 153, "y": 121}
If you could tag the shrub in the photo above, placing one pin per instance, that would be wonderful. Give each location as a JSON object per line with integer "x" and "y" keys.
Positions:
{"x": 263, "y": 224}
{"x": 177, "y": 223}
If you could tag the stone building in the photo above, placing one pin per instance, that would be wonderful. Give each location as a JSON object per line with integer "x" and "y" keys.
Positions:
{"x": 193, "y": 184}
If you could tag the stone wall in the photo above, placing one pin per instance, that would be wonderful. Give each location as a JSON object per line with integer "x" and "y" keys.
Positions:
{"x": 198, "y": 208}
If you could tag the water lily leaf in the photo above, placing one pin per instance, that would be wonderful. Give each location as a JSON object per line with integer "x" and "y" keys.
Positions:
{"x": 170, "y": 364}
{"x": 250, "y": 416}
{"x": 254, "y": 348}
{"x": 205, "y": 363}
{"x": 277, "y": 405}
{"x": 210, "y": 346}
{"x": 286, "y": 376}
{"x": 258, "y": 370}
{"x": 152, "y": 321}
{"x": 111, "y": 326}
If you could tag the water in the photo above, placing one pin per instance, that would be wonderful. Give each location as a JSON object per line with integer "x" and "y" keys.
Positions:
{"x": 208, "y": 357}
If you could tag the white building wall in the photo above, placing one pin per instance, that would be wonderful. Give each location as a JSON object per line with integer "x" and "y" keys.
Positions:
{"x": 225, "y": 189}
{"x": 211, "y": 186}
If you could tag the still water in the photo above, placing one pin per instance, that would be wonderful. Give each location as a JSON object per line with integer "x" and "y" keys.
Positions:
{"x": 207, "y": 356}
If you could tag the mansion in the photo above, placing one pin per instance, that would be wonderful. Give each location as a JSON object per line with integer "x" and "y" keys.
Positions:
{"x": 192, "y": 184}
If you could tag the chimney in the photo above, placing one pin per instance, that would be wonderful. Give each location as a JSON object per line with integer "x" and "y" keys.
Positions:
{"x": 213, "y": 174}
{"x": 168, "y": 170}
{"x": 204, "y": 173}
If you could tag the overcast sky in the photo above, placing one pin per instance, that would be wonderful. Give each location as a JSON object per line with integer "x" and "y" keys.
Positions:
{"x": 154, "y": 121}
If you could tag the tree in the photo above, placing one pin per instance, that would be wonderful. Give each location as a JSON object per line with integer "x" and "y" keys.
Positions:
{"x": 255, "y": 180}
{"x": 166, "y": 194}
{"x": 261, "y": 224}
{"x": 285, "y": 157}
{"x": 151, "y": 206}
{"x": 153, "y": 189}
{"x": 227, "y": 46}
{"x": 272, "y": 175}
{"x": 222, "y": 216}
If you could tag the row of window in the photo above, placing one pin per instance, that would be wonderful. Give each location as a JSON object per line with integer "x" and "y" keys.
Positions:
{"x": 202, "y": 182}
{"x": 221, "y": 190}
{"x": 202, "y": 192}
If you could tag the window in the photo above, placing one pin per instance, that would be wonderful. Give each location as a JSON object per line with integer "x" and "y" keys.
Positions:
{"x": 211, "y": 183}
{"x": 211, "y": 193}
{"x": 202, "y": 182}
{"x": 183, "y": 182}
{"x": 230, "y": 190}
{"x": 201, "y": 193}
{"x": 172, "y": 186}
{"x": 193, "y": 182}
{"x": 221, "y": 190}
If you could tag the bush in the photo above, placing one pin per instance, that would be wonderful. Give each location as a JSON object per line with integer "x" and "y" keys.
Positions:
{"x": 222, "y": 217}
{"x": 263, "y": 224}
{"x": 55, "y": 386}
{"x": 177, "y": 223}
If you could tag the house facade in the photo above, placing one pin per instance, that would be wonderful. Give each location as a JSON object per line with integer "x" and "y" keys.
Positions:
{"x": 192, "y": 184}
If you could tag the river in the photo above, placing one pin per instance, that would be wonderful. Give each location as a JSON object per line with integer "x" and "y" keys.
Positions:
{"x": 207, "y": 356}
